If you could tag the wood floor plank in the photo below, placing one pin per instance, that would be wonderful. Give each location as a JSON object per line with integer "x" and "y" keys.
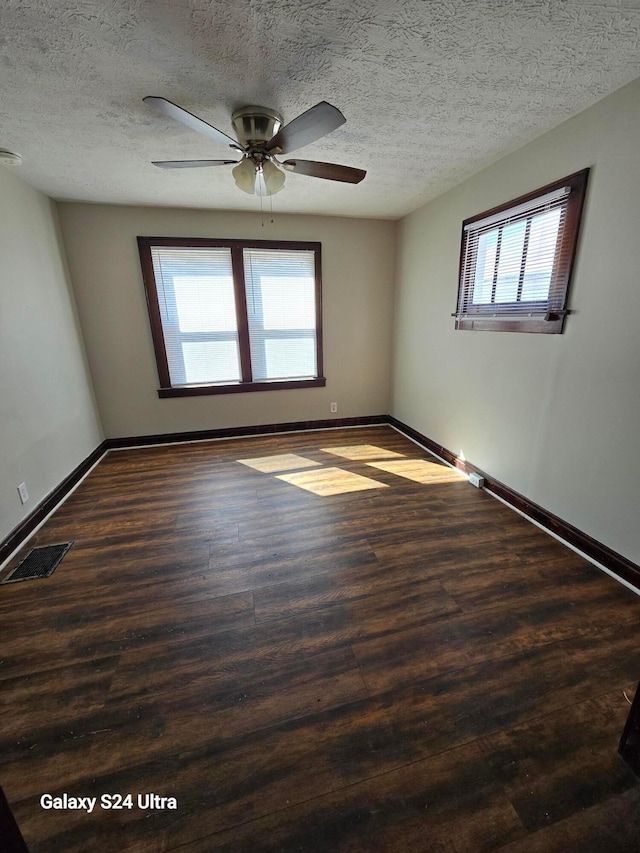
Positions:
{"x": 284, "y": 559}
{"x": 420, "y": 600}
{"x": 418, "y": 652}
{"x": 85, "y": 748}
{"x": 118, "y": 626}
{"x": 476, "y": 588}
{"x": 587, "y": 735}
{"x": 231, "y": 700}
{"x": 610, "y": 827}
{"x": 293, "y": 517}
{"x": 414, "y": 808}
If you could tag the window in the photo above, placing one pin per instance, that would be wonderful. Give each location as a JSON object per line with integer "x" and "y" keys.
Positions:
{"x": 516, "y": 261}
{"x": 231, "y": 315}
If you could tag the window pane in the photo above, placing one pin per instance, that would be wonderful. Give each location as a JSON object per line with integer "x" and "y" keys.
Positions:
{"x": 485, "y": 267}
{"x": 289, "y": 359}
{"x": 540, "y": 255}
{"x": 196, "y": 298}
{"x": 205, "y": 303}
{"x": 210, "y": 361}
{"x": 288, "y": 302}
{"x": 281, "y": 307}
{"x": 511, "y": 247}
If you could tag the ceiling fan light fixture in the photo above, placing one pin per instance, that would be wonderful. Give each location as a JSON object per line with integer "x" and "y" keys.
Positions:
{"x": 244, "y": 174}
{"x": 273, "y": 177}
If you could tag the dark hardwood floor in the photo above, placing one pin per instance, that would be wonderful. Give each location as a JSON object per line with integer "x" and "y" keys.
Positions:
{"x": 408, "y": 667}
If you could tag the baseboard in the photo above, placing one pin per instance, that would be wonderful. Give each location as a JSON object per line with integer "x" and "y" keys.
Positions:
{"x": 241, "y": 432}
{"x": 26, "y": 527}
{"x": 594, "y": 550}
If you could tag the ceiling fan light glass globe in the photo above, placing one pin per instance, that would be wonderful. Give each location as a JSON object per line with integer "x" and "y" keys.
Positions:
{"x": 244, "y": 174}
{"x": 273, "y": 177}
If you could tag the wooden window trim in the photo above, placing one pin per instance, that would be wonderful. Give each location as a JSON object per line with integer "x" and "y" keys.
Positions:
{"x": 145, "y": 245}
{"x": 548, "y": 317}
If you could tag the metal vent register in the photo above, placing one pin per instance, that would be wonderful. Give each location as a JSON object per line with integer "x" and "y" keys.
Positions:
{"x": 39, "y": 563}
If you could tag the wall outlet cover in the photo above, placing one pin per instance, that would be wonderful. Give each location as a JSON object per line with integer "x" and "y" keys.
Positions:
{"x": 476, "y": 480}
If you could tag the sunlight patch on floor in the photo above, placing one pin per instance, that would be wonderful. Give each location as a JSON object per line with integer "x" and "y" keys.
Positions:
{"x": 420, "y": 471}
{"x": 282, "y": 462}
{"x": 361, "y": 451}
{"x": 330, "y": 481}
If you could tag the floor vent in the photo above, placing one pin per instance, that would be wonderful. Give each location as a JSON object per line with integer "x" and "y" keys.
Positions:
{"x": 39, "y": 563}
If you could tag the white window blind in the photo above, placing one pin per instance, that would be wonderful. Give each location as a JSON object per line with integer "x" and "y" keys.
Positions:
{"x": 512, "y": 261}
{"x": 198, "y": 312}
{"x": 281, "y": 309}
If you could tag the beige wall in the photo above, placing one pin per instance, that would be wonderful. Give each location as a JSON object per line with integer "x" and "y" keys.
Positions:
{"x": 48, "y": 419}
{"x": 554, "y": 417}
{"x": 358, "y": 258}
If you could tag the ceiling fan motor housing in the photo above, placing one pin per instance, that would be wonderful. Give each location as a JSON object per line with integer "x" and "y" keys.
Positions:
{"x": 255, "y": 125}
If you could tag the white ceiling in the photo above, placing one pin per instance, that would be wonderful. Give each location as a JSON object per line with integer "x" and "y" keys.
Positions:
{"x": 432, "y": 91}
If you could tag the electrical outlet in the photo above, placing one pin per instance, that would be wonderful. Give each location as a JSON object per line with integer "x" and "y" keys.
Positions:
{"x": 24, "y": 494}
{"x": 334, "y": 407}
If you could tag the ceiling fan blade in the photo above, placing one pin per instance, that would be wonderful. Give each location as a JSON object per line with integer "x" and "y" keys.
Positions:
{"x": 329, "y": 171}
{"x": 175, "y": 112}
{"x": 307, "y": 127}
{"x": 191, "y": 164}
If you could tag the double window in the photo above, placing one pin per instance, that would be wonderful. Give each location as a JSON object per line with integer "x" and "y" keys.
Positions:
{"x": 231, "y": 315}
{"x": 516, "y": 261}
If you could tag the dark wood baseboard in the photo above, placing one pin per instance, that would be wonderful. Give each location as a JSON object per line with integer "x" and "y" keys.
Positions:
{"x": 616, "y": 563}
{"x": 241, "y": 432}
{"x": 26, "y": 527}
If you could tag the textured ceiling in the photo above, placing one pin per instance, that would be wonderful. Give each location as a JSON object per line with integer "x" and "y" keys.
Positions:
{"x": 432, "y": 91}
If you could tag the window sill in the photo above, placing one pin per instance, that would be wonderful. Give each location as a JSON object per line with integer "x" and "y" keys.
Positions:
{"x": 506, "y": 324}
{"x": 240, "y": 387}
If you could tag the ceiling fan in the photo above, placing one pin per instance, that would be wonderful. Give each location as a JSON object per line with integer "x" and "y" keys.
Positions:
{"x": 261, "y": 138}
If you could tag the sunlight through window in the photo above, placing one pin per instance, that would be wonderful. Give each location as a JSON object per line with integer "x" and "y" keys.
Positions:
{"x": 330, "y": 481}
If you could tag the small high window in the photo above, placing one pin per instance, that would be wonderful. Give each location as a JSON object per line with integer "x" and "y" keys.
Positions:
{"x": 516, "y": 261}
{"x": 230, "y": 315}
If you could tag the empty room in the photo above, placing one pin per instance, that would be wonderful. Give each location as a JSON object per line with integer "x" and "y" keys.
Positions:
{"x": 319, "y": 498}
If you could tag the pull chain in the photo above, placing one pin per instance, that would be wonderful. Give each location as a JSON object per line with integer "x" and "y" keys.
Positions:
{"x": 261, "y": 211}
